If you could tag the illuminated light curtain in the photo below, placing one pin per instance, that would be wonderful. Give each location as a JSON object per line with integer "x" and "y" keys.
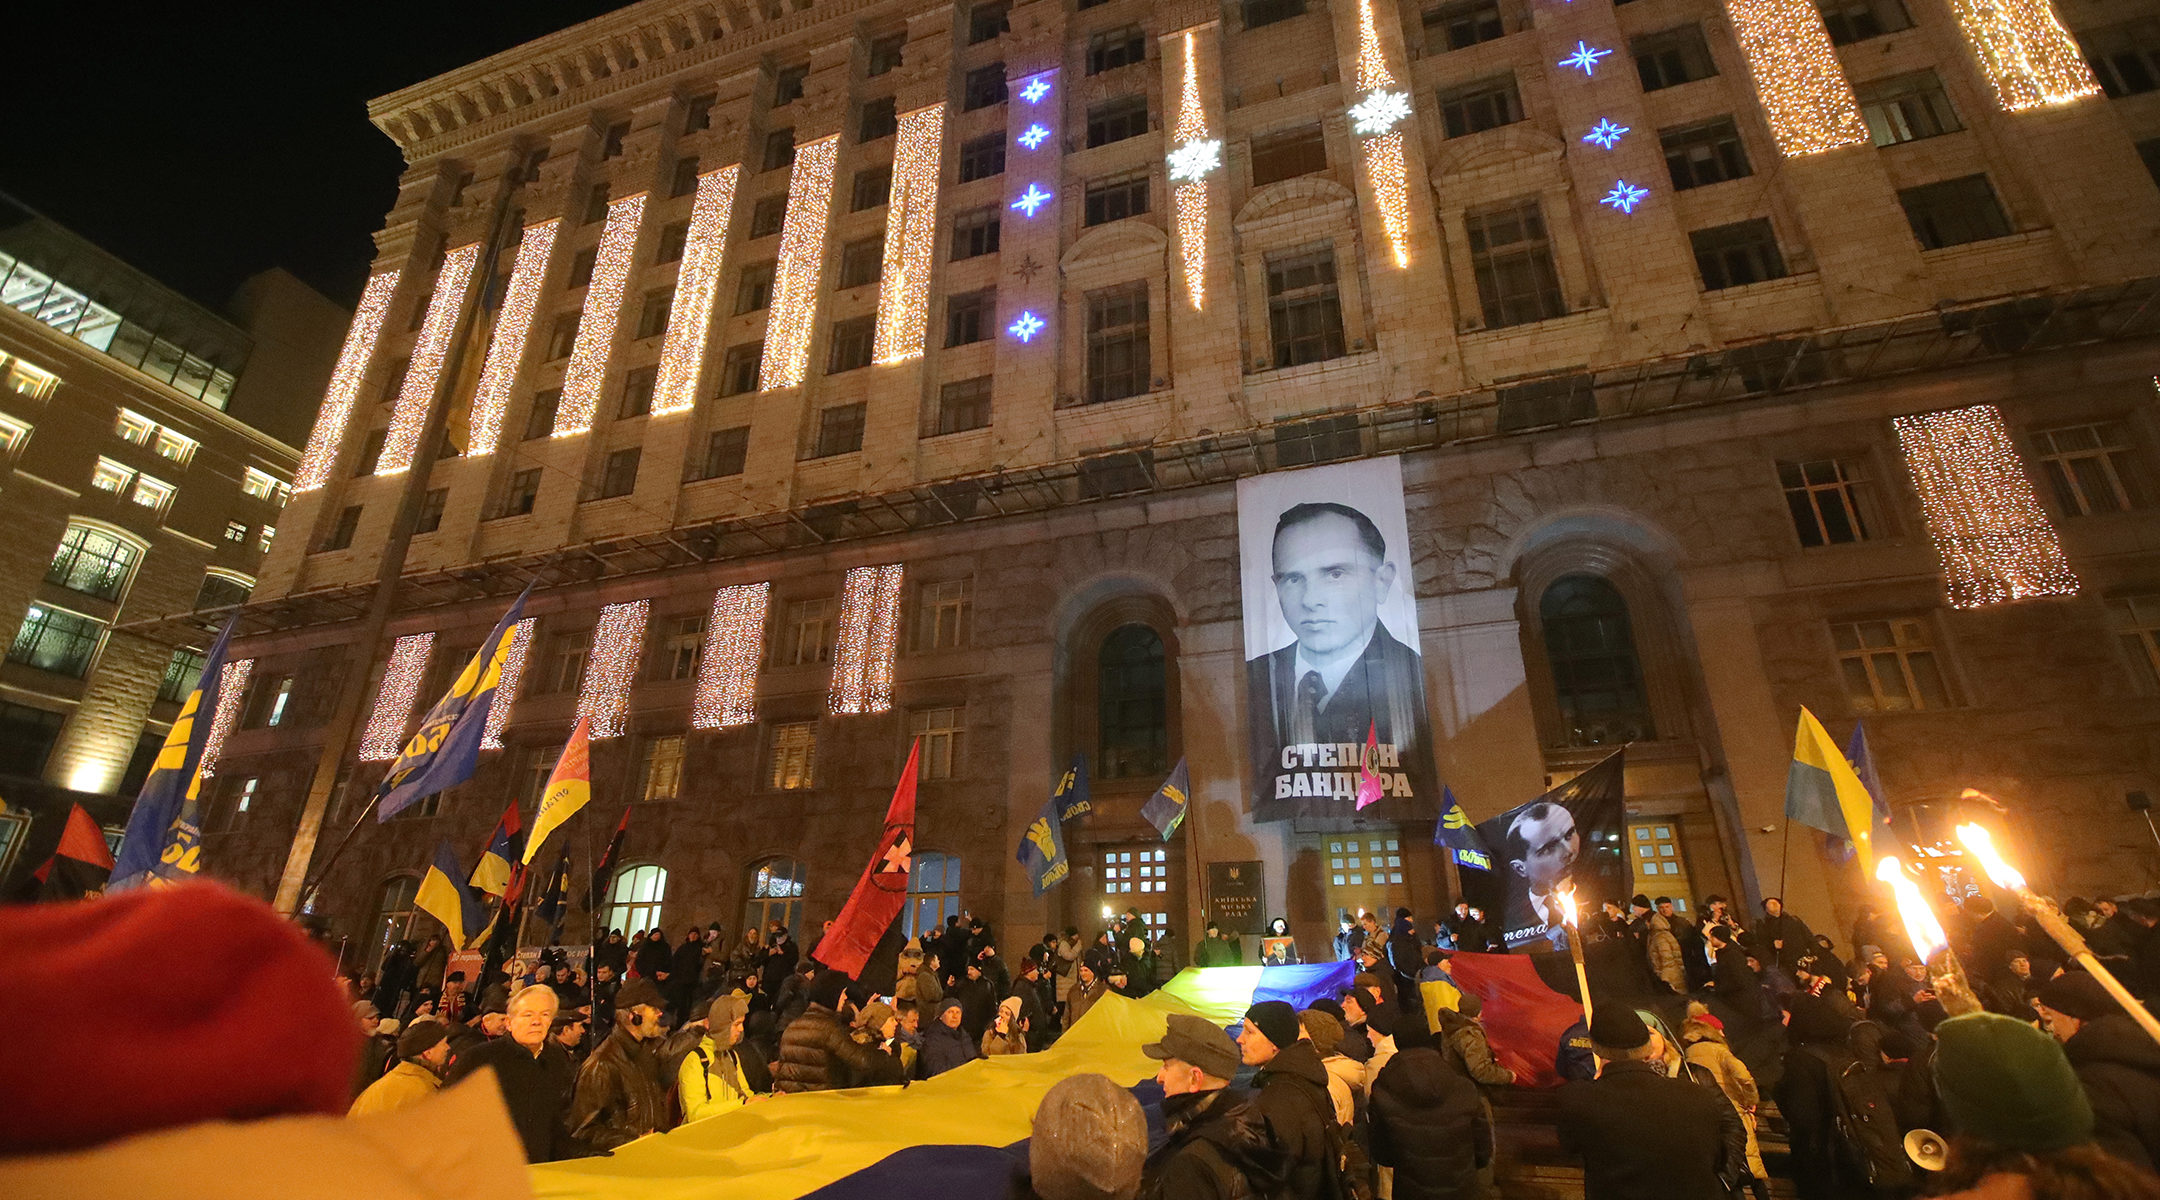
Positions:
{"x": 232, "y": 681}
{"x": 869, "y": 631}
{"x": 734, "y": 644}
{"x": 417, "y": 393}
{"x": 603, "y": 308}
{"x": 352, "y": 363}
{"x": 1374, "y": 118}
{"x": 618, "y": 641}
{"x": 1195, "y": 158}
{"x": 1797, "y": 75}
{"x": 2026, "y": 54}
{"x": 1994, "y": 539}
{"x": 910, "y": 237}
{"x": 394, "y": 701}
{"x": 513, "y": 326}
{"x": 697, "y": 281}
{"x": 802, "y": 260}
{"x": 506, "y": 687}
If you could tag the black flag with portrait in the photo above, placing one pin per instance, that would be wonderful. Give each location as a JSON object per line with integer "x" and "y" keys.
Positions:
{"x": 1570, "y": 835}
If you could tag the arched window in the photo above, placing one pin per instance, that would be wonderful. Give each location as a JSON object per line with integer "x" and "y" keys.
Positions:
{"x": 776, "y": 895}
{"x": 94, "y": 561}
{"x": 395, "y": 916}
{"x": 1597, "y": 678}
{"x": 634, "y": 899}
{"x": 933, "y": 891}
{"x": 1132, "y": 705}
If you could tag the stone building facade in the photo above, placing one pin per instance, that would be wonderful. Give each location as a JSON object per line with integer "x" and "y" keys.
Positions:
{"x": 133, "y": 491}
{"x": 701, "y": 296}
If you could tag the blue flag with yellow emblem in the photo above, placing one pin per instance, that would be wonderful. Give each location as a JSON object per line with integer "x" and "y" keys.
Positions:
{"x": 1165, "y": 810}
{"x": 444, "y": 750}
{"x": 1460, "y": 836}
{"x": 164, "y": 832}
{"x": 1042, "y": 848}
{"x": 1071, "y": 793}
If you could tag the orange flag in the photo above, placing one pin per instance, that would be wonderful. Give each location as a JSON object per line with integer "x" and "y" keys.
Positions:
{"x": 567, "y": 789}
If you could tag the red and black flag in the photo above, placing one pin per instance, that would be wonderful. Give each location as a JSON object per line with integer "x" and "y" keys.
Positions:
{"x": 864, "y": 942}
{"x": 80, "y": 864}
{"x": 603, "y": 872}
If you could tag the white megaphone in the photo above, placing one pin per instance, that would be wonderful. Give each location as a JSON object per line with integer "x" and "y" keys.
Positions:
{"x": 1927, "y": 1148}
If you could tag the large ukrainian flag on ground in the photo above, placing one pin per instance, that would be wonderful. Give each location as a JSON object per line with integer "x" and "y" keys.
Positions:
{"x": 958, "y": 1136}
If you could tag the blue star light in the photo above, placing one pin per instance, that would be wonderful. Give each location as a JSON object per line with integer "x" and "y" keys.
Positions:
{"x": 1027, "y": 326}
{"x": 1031, "y": 199}
{"x": 1625, "y": 196}
{"x": 1035, "y": 90}
{"x": 1605, "y": 134}
{"x": 1585, "y": 56}
{"x": 1034, "y": 136}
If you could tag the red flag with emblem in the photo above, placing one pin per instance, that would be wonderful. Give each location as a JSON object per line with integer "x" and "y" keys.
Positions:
{"x": 882, "y": 891}
{"x": 1368, "y": 783}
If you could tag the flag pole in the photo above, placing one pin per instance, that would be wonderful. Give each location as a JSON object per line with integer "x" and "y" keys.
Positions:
{"x": 307, "y": 892}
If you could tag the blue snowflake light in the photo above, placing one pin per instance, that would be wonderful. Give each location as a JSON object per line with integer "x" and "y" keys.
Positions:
{"x": 1035, "y": 90}
{"x": 1034, "y": 136}
{"x": 1605, "y": 134}
{"x": 1027, "y": 326}
{"x": 1625, "y": 196}
{"x": 1031, "y": 199}
{"x": 1585, "y": 56}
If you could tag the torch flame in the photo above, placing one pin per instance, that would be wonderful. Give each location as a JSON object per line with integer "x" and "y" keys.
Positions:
{"x": 1921, "y": 926}
{"x": 1977, "y": 840}
{"x": 1566, "y": 897}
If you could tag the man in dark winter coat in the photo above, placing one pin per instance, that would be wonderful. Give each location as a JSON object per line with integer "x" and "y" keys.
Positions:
{"x": 779, "y": 959}
{"x": 945, "y": 1043}
{"x": 1781, "y": 938}
{"x": 2118, "y": 1065}
{"x": 816, "y": 1052}
{"x": 1216, "y": 1146}
{"x": 534, "y": 1074}
{"x": 1028, "y": 989}
{"x": 1430, "y": 1124}
{"x": 1641, "y": 1135}
{"x": 1213, "y": 950}
{"x": 684, "y": 973}
{"x": 620, "y": 1094}
{"x": 1293, "y": 1097}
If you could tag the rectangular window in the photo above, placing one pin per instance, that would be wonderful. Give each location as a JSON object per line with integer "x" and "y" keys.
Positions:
{"x": 676, "y": 650}
{"x": 1267, "y": 12}
{"x": 1889, "y": 665}
{"x": 2136, "y": 620}
{"x": 1482, "y": 105}
{"x": 794, "y": 755}
{"x": 975, "y": 233}
{"x": 739, "y": 370}
{"x": 1118, "y": 363}
{"x": 1304, "y": 311}
{"x": 851, "y": 343}
{"x": 886, "y": 54}
{"x": 788, "y": 84}
{"x": 522, "y": 494}
{"x": 768, "y": 215}
{"x": 983, "y": 157}
{"x": 697, "y": 112}
{"x": 269, "y": 533}
{"x": 1460, "y": 26}
{"x": 939, "y": 731}
{"x": 348, "y": 523}
{"x": 1740, "y": 253}
{"x": 1906, "y": 108}
{"x": 726, "y": 452}
{"x": 236, "y": 532}
{"x": 93, "y": 562}
{"x": 872, "y": 189}
{"x": 239, "y": 796}
{"x": 2090, "y": 467}
{"x": 1320, "y": 440}
{"x": 983, "y": 87}
{"x": 56, "y": 640}
{"x": 1954, "y": 212}
{"x": 1288, "y": 154}
{"x": 840, "y": 430}
{"x": 581, "y": 268}
{"x": 1672, "y": 57}
{"x": 653, "y": 315}
{"x": 596, "y": 204}
{"x": 267, "y": 698}
{"x": 961, "y": 405}
{"x": 1828, "y": 500}
{"x": 264, "y": 486}
{"x": 880, "y": 119}
{"x": 779, "y": 149}
{"x": 637, "y": 392}
{"x": 109, "y": 476}
{"x": 1115, "y": 199}
{"x": 988, "y": 21}
{"x": 26, "y": 738}
{"x": 562, "y": 337}
{"x": 175, "y": 446}
{"x": 663, "y": 769}
{"x": 970, "y": 317}
{"x": 2125, "y": 58}
{"x": 23, "y": 379}
{"x": 540, "y": 421}
{"x": 371, "y": 448}
{"x": 862, "y": 262}
{"x": 134, "y": 428}
{"x": 181, "y": 674}
{"x": 562, "y": 668}
{"x": 1852, "y": 21}
{"x": 942, "y": 612}
{"x": 753, "y": 288}
{"x": 674, "y": 239}
{"x": 1116, "y": 120}
{"x": 611, "y": 144}
{"x": 808, "y": 633}
{"x": 618, "y": 473}
{"x": 1703, "y": 154}
{"x": 1512, "y": 259}
{"x": 13, "y": 434}
{"x": 1113, "y": 48}
{"x": 685, "y": 179}
{"x": 431, "y": 510}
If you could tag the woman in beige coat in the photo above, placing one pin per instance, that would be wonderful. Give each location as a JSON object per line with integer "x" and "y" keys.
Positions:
{"x": 1705, "y": 1047}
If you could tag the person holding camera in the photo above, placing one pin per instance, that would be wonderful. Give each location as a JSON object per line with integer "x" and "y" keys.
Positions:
{"x": 1008, "y": 1030}
{"x": 620, "y": 1094}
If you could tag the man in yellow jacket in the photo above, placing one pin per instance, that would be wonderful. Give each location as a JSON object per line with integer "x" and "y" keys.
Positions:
{"x": 711, "y": 1080}
{"x": 423, "y": 1052}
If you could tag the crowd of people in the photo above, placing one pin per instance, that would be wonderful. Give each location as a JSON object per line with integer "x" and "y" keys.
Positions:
{"x": 1707, "y": 1025}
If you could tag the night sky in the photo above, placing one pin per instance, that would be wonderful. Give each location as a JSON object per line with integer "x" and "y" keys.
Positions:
{"x": 204, "y": 143}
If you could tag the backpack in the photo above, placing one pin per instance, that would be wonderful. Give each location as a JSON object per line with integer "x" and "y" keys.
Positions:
{"x": 1869, "y": 1147}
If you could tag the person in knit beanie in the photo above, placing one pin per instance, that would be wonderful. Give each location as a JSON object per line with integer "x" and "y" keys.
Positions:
{"x": 1089, "y": 1141}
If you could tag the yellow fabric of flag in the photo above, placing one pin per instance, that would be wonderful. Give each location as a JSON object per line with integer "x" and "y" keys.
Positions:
{"x": 568, "y": 788}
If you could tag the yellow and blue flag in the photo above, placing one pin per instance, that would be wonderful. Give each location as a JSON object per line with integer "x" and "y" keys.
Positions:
{"x": 1822, "y": 791}
{"x": 505, "y": 848}
{"x": 1072, "y": 790}
{"x": 442, "y": 897}
{"x": 1460, "y": 836}
{"x": 1042, "y": 848}
{"x": 1863, "y": 765}
{"x": 1165, "y": 810}
{"x": 164, "y": 833}
{"x": 444, "y": 750}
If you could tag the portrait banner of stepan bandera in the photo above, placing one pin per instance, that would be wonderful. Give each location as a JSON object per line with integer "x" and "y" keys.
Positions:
{"x": 1568, "y": 837}
{"x": 1331, "y": 644}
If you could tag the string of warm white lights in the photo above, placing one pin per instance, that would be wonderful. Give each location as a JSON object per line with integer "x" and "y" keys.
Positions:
{"x": 1375, "y": 119}
{"x": 417, "y": 394}
{"x": 1797, "y": 75}
{"x": 506, "y": 685}
{"x": 682, "y": 354}
{"x": 232, "y": 681}
{"x": 1372, "y": 70}
{"x": 385, "y": 734}
{"x": 734, "y": 645}
{"x": 802, "y": 259}
{"x": 513, "y": 324}
{"x": 1994, "y": 539}
{"x": 618, "y": 641}
{"x": 910, "y": 237}
{"x": 1196, "y": 156}
{"x": 2027, "y": 55}
{"x": 869, "y": 631}
{"x": 352, "y": 363}
{"x": 587, "y": 369}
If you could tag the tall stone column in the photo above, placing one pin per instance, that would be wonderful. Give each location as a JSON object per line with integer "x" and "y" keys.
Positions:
{"x": 1031, "y": 331}
{"x": 1204, "y": 352}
